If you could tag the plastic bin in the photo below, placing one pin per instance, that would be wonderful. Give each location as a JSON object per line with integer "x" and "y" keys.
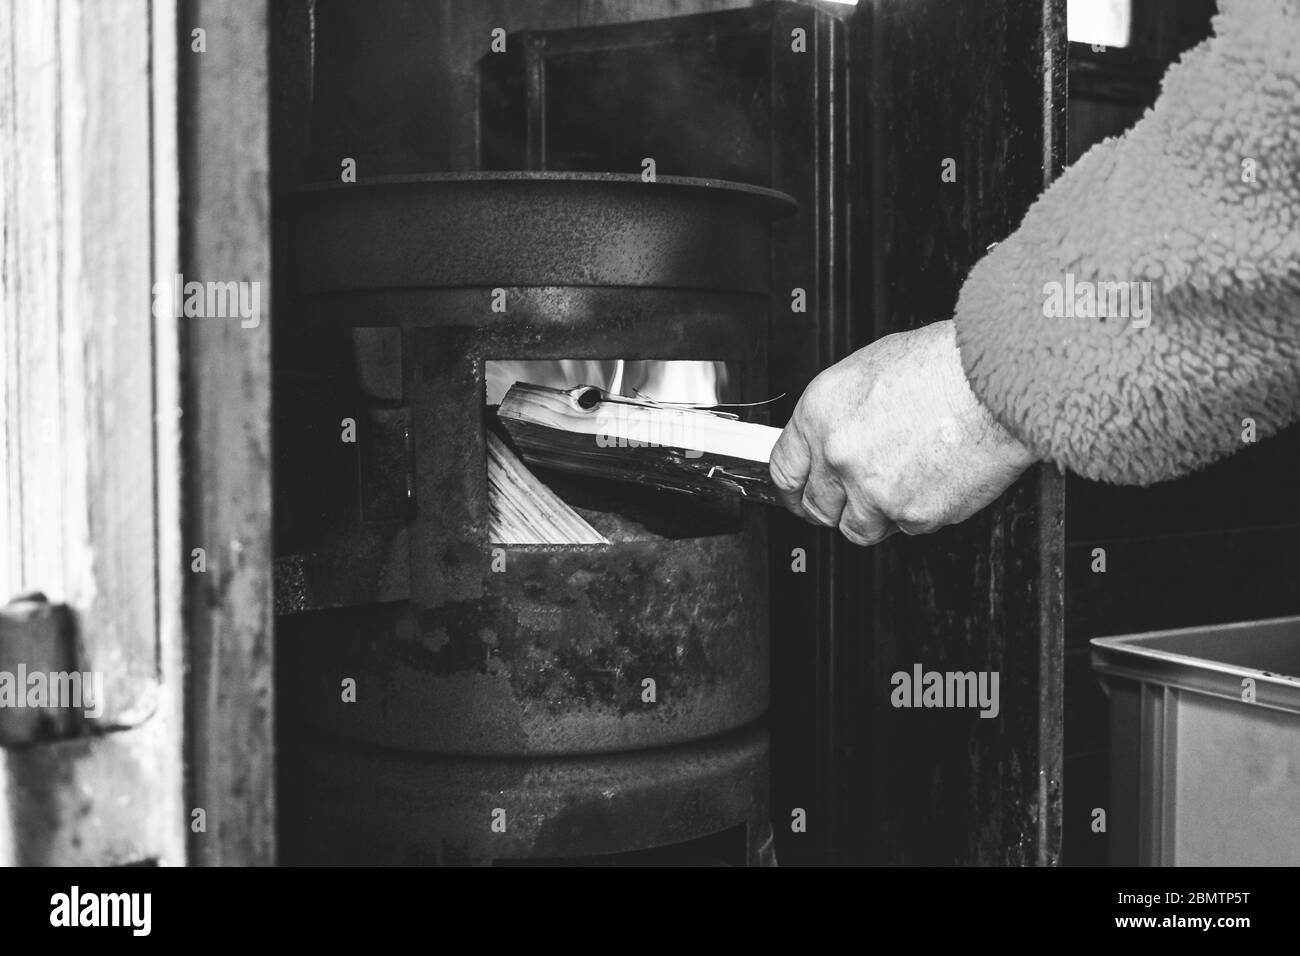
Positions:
{"x": 1205, "y": 744}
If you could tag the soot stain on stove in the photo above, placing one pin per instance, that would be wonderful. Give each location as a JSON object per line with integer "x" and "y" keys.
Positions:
{"x": 570, "y": 638}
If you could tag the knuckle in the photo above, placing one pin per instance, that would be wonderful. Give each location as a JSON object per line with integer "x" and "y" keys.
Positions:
{"x": 911, "y": 514}
{"x": 822, "y": 383}
{"x": 839, "y": 451}
{"x": 822, "y": 396}
{"x": 912, "y": 528}
{"x": 862, "y": 536}
{"x": 916, "y": 518}
{"x": 781, "y": 474}
{"x": 853, "y": 537}
{"x": 862, "y": 524}
{"x": 815, "y": 512}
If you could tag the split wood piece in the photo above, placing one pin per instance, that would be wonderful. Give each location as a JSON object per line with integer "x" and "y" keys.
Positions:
{"x": 587, "y": 431}
{"x": 522, "y": 510}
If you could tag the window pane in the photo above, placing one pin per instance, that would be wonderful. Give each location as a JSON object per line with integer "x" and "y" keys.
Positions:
{"x": 1099, "y": 21}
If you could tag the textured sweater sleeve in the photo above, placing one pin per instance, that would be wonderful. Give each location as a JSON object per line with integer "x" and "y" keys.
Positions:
{"x": 1199, "y": 201}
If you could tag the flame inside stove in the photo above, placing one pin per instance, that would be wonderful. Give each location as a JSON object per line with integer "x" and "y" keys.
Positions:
{"x": 669, "y": 380}
{"x": 533, "y": 509}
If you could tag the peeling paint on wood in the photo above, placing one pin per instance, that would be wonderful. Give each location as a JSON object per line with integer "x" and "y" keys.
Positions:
{"x": 88, "y": 151}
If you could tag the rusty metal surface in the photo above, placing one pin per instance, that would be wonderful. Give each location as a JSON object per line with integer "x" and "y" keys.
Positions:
{"x": 548, "y": 656}
{"x": 387, "y": 484}
{"x": 358, "y": 566}
{"x": 347, "y": 805}
{"x": 533, "y": 229}
{"x": 462, "y": 673}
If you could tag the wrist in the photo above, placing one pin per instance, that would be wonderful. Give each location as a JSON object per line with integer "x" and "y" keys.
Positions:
{"x": 965, "y": 405}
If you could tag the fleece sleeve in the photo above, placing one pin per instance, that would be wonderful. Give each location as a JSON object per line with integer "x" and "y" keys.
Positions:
{"x": 1199, "y": 205}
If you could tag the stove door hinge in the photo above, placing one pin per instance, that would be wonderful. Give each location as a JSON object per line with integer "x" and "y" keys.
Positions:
{"x": 47, "y": 691}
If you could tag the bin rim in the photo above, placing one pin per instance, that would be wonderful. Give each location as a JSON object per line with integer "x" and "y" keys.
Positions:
{"x": 1125, "y": 656}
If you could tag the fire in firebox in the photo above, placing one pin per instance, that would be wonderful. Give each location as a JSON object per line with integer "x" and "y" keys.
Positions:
{"x": 674, "y": 381}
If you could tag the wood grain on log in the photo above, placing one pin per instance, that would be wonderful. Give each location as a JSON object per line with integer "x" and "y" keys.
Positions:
{"x": 522, "y": 510}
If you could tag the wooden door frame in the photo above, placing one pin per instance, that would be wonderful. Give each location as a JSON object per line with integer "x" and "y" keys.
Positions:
{"x": 225, "y": 116}
{"x": 93, "y": 517}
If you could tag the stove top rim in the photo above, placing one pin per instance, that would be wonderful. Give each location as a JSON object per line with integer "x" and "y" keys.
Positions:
{"x": 316, "y": 189}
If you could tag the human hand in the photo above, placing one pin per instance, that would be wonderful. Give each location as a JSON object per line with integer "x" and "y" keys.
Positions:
{"x": 892, "y": 438}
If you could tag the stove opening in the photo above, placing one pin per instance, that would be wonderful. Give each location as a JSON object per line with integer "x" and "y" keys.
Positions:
{"x": 531, "y": 501}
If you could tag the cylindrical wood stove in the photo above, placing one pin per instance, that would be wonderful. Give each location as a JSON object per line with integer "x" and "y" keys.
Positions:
{"x": 535, "y": 656}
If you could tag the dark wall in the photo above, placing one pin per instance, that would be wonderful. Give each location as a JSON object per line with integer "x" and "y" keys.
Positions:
{"x": 398, "y": 87}
{"x": 964, "y": 81}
